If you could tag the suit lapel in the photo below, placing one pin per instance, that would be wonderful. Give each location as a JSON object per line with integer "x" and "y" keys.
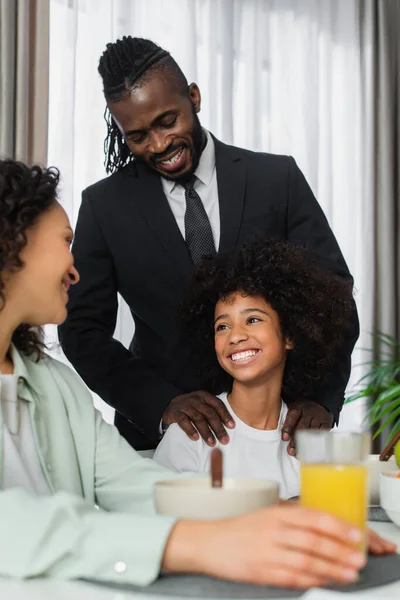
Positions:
{"x": 154, "y": 207}
{"x": 157, "y": 213}
{"x": 231, "y": 178}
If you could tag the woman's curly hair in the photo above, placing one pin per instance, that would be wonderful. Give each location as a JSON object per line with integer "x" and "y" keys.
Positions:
{"x": 25, "y": 193}
{"x": 313, "y": 306}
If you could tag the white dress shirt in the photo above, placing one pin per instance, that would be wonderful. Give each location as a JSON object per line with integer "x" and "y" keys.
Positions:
{"x": 206, "y": 187}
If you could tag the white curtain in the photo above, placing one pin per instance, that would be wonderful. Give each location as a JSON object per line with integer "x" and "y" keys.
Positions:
{"x": 282, "y": 76}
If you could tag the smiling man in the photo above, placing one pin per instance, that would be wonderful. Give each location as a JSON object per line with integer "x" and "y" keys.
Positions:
{"x": 177, "y": 193}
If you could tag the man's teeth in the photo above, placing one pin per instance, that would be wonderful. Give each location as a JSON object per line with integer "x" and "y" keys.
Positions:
{"x": 174, "y": 159}
{"x": 243, "y": 355}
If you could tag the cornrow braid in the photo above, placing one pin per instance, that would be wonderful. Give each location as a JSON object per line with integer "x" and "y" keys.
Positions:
{"x": 124, "y": 66}
{"x": 116, "y": 151}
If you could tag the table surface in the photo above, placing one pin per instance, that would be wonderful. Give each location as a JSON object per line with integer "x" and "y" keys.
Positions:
{"x": 47, "y": 589}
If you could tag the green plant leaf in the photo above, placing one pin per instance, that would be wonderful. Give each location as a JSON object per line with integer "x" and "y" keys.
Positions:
{"x": 380, "y": 385}
{"x": 377, "y": 411}
{"x": 389, "y": 420}
{"x": 382, "y": 393}
{"x": 394, "y": 432}
{"x": 386, "y": 338}
{"x": 382, "y": 351}
{"x": 385, "y": 375}
{"x": 380, "y": 375}
{"x": 392, "y": 393}
{"x": 378, "y": 416}
{"x": 370, "y": 377}
{"x": 358, "y": 395}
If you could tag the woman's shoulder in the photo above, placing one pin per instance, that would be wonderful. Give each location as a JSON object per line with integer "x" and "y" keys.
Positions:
{"x": 53, "y": 365}
{"x": 49, "y": 370}
{"x": 35, "y": 368}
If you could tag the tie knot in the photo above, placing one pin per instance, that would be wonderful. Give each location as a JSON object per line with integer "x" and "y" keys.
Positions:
{"x": 189, "y": 184}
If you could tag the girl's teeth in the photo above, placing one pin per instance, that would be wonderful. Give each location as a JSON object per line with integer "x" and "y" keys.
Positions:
{"x": 243, "y": 355}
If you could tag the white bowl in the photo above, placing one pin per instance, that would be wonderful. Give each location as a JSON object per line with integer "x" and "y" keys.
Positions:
{"x": 375, "y": 468}
{"x": 390, "y": 495}
{"x": 194, "y": 498}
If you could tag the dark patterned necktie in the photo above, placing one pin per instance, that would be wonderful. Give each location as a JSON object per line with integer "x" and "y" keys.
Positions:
{"x": 198, "y": 233}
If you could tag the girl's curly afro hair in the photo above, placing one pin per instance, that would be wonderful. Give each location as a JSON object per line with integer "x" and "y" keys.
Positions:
{"x": 313, "y": 306}
{"x": 25, "y": 193}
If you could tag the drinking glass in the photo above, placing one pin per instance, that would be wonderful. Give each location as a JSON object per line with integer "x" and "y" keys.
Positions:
{"x": 334, "y": 474}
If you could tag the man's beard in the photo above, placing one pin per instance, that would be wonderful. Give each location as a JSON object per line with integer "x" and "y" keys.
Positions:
{"x": 199, "y": 142}
{"x": 198, "y": 138}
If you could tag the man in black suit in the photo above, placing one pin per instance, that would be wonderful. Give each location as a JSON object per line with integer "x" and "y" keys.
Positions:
{"x": 176, "y": 193}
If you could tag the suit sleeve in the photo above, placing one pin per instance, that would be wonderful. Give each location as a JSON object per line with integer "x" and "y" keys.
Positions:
{"x": 307, "y": 225}
{"x": 127, "y": 383}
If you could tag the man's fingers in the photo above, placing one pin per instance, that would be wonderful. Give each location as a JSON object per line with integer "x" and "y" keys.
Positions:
{"x": 200, "y": 414}
{"x": 304, "y": 423}
{"x": 201, "y": 423}
{"x": 315, "y": 423}
{"x": 292, "y": 418}
{"x": 214, "y": 422}
{"x": 193, "y": 423}
{"x": 305, "y": 414}
{"x": 292, "y": 447}
{"x": 221, "y": 409}
{"x": 187, "y": 426}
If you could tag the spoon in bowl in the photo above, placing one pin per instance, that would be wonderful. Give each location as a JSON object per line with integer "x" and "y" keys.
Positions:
{"x": 216, "y": 468}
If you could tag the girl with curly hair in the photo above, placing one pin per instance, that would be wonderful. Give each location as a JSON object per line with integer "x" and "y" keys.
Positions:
{"x": 60, "y": 462}
{"x": 264, "y": 324}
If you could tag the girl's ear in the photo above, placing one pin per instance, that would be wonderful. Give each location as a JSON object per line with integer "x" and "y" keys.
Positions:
{"x": 289, "y": 345}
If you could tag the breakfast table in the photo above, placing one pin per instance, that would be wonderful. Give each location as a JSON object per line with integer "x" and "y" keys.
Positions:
{"x": 47, "y": 589}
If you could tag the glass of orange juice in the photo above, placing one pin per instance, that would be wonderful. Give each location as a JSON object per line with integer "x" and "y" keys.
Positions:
{"x": 334, "y": 474}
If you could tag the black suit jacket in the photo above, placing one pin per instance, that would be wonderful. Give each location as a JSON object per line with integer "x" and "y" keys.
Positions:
{"x": 127, "y": 241}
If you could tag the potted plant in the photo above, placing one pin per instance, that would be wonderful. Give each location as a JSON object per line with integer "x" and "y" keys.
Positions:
{"x": 381, "y": 385}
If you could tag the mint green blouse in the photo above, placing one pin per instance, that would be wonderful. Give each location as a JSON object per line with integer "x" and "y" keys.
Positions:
{"x": 99, "y": 522}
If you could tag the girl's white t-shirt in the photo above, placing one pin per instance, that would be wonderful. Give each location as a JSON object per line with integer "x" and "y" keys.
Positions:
{"x": 249, "y": 453}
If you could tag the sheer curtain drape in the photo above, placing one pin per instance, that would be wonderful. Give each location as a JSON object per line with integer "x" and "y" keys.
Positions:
{"x": 276, "y": 75}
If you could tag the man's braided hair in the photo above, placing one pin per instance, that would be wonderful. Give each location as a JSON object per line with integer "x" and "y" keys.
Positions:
{"x": 126, "y": 65}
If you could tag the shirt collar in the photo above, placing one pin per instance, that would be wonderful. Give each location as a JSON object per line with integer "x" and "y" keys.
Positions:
{"x": 205, "y": 168}
{"x": 26, "y": 376}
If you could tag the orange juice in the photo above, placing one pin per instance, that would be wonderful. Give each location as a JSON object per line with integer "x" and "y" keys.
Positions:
{"x": 340, "y": 490}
